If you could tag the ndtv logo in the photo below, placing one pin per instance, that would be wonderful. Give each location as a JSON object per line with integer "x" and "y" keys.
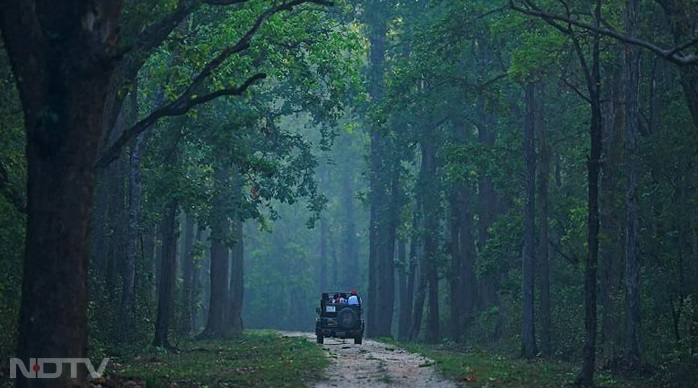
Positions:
{"x": 37, "y": 369}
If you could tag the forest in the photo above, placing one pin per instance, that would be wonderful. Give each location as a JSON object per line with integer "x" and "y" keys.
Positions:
{"x": 518, "y": 176}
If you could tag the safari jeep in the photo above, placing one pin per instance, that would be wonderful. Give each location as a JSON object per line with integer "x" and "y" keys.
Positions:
{"x": 339, "y": 320}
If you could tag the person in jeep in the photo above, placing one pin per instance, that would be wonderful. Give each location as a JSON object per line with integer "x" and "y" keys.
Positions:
{"x": 339, "y": 320}
{"x": 354, "y": 298}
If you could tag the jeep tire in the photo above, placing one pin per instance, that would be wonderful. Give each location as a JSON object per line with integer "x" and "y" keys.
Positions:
{"x": 347, "y": 318}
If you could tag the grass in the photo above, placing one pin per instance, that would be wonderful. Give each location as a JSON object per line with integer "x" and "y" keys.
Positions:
{"x": 257, "y": 359}
{"x": 481, "y": 369}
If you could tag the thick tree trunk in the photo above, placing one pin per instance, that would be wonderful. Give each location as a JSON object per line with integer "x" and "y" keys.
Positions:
{"x": 381, "y": 240}
{"x": 632, "y": 261}
{"x": 528, "y": 333}
{"x": 62, "y": 85}
{"x": 220, "y": 231}
{"x": 166, "y": 282}
{"x": 349, "y": 256}
{"x": 428, "y": 183}
{"x": 168, "y": 273}
{"x": 465, "y": 292}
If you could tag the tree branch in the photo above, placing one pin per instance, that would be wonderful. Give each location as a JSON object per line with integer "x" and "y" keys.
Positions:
{"x": 175, "y": 108}
{"x": 671, "y": 55}
{"x": 577, "y": 91}
{"x": 185, "y": 101}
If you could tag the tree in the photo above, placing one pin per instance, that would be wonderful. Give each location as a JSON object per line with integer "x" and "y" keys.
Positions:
{"x": 632, "y": 256}
{"x": 64, "y": 57}
{"x": 382, "y": 228}
{"x": 528, "y": 333}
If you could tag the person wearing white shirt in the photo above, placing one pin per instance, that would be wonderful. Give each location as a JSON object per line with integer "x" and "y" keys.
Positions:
{"x": 353, "y": 298}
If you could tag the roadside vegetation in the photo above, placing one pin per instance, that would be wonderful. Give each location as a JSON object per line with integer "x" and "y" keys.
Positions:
{"x": 259, "y": 358}
{"x": 486, "y": 368}
{"x": 256, "y": 359}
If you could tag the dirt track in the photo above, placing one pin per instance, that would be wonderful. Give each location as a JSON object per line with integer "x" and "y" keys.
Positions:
{"x": 375, "y": 364}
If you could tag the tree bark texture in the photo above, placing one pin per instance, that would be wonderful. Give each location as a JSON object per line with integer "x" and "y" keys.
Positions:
{"x": 407, "y": 303}
{"x": 349, "y": 255}
{"x": 168, "y": 275}
{"x": 632, "y": 252}
{"x": 528, "y": 333}
{"x": 544, "y": 235}
{"x": 220, "y": 233}
{"x": 381, "y": 233}
{"x": 187, "y": 258}
{"x": 593, "y": 76}
{"x": 62, "y": 67}
{"x": 611, "y": 251}
{"x": 134, "y": 204}
{"x": 428, "y": 183}
{"x": 237, "y": 276}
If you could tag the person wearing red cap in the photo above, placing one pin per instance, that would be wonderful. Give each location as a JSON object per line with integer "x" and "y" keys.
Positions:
{"x": 353, "y": 298}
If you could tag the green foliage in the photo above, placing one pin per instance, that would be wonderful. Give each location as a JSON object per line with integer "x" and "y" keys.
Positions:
{"x": 477, "y": 368}
{"x": 258, "y": 359}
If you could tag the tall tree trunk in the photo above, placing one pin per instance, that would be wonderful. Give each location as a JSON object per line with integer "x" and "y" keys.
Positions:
{"x": 632, "y": 261}
{"x": 420, "y": 296}
{"x": 401, "y": 275}
{"x": 117, "y": 227}
{"x": 204, "y": 282}
{"x": 543, "y": 244}
{"x": 350, "y": 256}
{"x": 134, "y": 204}
{"x": 593, "y": 78}
{"x": 611, "y": 251}
{"x": 134, "y": 197}
{"x": 387, "y": 278}
{"x": 428, "y": 182}
{"x": 488, "y": 294}
{"x": 62, "y": 100}
{"x": 379, "y": 313}
{"x": 233, "y": 317}
{"x": 187, "y": 324}
{"x": 220, "y": 231}
{"x": 237, "y": 275}
{"x": 323, "y": 254}
{"x": 168, "y": 274}
{"x": 408, "y": 300}
{"x": 467, "y": 246}
{"x": 528, "y": 333}
{"x": 466, "y": 290}
{"x": 456, "y": 279}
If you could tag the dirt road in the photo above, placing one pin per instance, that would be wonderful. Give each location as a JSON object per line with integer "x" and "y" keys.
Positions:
{"x": 375, "y": 364}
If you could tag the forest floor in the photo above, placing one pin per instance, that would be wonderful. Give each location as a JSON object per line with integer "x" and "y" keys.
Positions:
{"x": 375, "y": 364}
